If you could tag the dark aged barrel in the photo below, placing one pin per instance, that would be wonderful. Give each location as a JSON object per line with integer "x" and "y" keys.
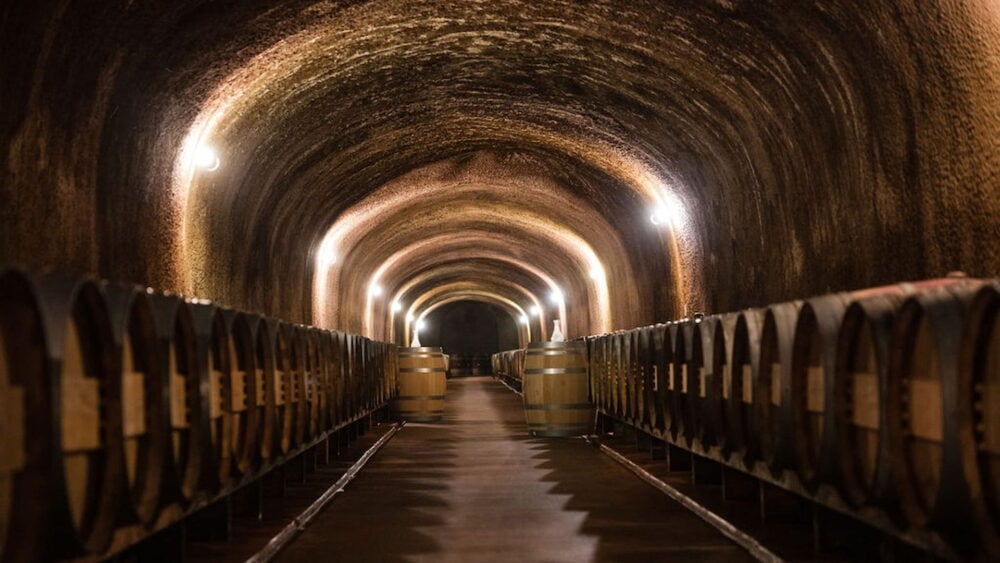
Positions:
{"x": 862, "y": 350}
{"x": 246, "y": 401}
{"x": 629, "y": 377}
{"x": 422, "y": 384}
{"x": 617, "y": 374}
{"x": 774, "y": 385}
{"x": 978, "y": 416}
{"x": 723, "y": 345}
{"x": 813, "y": 373}
{"x": 660, "y": 370}
{"x": 337, "y": 366}
{"x": 684, "y": 386}
{"x": 313, "y": 380}
{"x": 648, "y": 370}
{"x": 26, "y": 436}
{"x": 84, "y": 376}
{"x": 924, "y": 412}
{"x": 706, "y": 366}
{"x": 285, "y": 386}
{"x": 144, "y": 431}
{"x": 601, "y": 385}
{"x": 324, "y": 354}
{"x": 213, "y": 426}
{"x": 175, "y": 336}
{"x": 556, "y": 394}
{"x": 742, "y": 435}
{"x": 270, "y": 388}
{"x": 222, "y": 414}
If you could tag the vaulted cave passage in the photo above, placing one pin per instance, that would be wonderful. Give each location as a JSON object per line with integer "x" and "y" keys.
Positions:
{"x": 698, "y": 193}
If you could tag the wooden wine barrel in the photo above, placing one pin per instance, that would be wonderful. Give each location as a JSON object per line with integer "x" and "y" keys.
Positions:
{"x": 683, "y": 387}
{"x": 629, "y": 377}
{"x": 556, "y": 394}
{"x": 392, "y": 372}
{"x": 87, "y": 397}
{"x": 774, "y": 385}
{"x": 214, "y": 425}
{"x": 27, "y": 437}
{"x": 617, "y": 375}
{"x": 925, "y": 413}
{"x": 647, "y": 367}
{"x": 185, "y": 417}
{"x": 724, "y": 382}
{"x": 246, "y": 402}
{"x": 671, "y": 416}
{"x": 313, "y": 381}
{"x": 812, "y": 375}
{"x": 978, "y": 414}
{"x": 337, "y": 364}
{"x": 145, "y": 435}
{"x": 268, "y": 390}
{"x": 601, "y": 377}
{"x": 861, "y": 362}
{"x": 222, "y": 416}
{"x": 742, "y": 430}
{"x": 661, "y": 372}
{"x": 705, "y": 366}
{"x": 422, "y": 384}
{"x": 286, "y": 390}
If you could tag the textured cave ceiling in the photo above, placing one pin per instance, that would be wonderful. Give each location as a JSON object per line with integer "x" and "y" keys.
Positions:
{"x": 494, "y": 150}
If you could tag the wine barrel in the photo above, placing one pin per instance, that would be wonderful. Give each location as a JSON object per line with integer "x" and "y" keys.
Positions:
{"x": 313, "y": 382}
{"x": 660, "y": 376}
{"x": 599, "y": 372}
{"x": 617, "y": 374}
{"x": 705, "y": 366}
{"x": 978, "y": 414}
{"x": 337, "y": 367}
{"x": 682, "y": 382}
{"x": 145, "y": 435}
{"x": 422, "y": 384}
{"x": 246, "y": 402}
{"x": 774, "y": 385}
{"x": 270, "y": 387}
{"x": 185, "y": 416}
{"x": 630, "y": 377}
{"x": 812, "y": 379}
{"x": 27, "y": 439}
{"x": 556, "y": 394}
{"x": 925, "y": 413}
{"x": 286, "y": 386}
{"x": 862, "y": 445}
{"x": 647, "y": 368}
{"x": 742, "y": 430}
{"x": 725, "y": 330}
{"x": 87, "y": 397}
{"x": 215, "y": 426}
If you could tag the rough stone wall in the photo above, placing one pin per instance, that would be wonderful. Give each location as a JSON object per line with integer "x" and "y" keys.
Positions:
{"x": 817, "y": 146}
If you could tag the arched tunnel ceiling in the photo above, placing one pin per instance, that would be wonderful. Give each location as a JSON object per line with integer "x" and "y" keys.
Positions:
{"x": 809, "y": 146}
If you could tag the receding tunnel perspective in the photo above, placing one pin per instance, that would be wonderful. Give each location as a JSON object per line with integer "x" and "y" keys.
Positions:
{"x": 504, "y": 280}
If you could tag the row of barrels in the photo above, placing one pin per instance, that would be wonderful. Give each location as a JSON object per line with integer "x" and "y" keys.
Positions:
{"x": 888, "y": 397}
{"x": 125, "y": 408}
{"x": 508, "y": 364}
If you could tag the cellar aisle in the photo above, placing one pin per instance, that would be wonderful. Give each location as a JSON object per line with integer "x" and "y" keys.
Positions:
{"x": 475, "y": 487}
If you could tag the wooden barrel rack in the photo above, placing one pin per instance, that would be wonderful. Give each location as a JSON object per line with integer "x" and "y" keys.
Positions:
{"x": 126, "y": 410}
{"x": 881, "y": 406}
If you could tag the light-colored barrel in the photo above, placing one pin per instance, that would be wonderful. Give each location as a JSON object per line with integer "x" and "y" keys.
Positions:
{"x": 422, "y": 384}
{"x": 556, "y": 394}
